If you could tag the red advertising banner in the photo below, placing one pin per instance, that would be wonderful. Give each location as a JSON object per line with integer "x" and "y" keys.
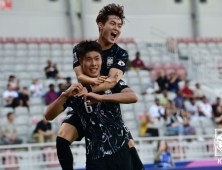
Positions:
{"x": 5, "y": 4}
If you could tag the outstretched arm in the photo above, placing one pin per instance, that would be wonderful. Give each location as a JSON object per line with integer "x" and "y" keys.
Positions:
{"x": 126, "y": 96}
{"x": 57, "y": 106}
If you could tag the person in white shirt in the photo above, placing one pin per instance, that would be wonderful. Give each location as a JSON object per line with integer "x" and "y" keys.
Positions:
{"x": 156, "y": 111}
{"x": 205, "y": 109}
{"x": 36, "y": 88}
{"x": 10, "y": 97}
{"x": 192, "y": 109}
{"x": 198, "y": 93}
{"x": 15, "y": 83}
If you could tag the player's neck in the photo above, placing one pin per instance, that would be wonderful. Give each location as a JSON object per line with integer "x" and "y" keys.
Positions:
{"x": 105, "y": 45}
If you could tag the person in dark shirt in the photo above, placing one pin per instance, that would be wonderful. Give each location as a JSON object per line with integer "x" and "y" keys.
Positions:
{"x": 61, "y": 89}
{"x": 179, "y": 100}
{"x": 218, "y": 116}
{"x": 105, "y": 131}
{"x": 214, "y": 106}
{"x": 109, "y": 21}
{"x": 173, "y": 82}
{"x": 24, "y": 98}
{"x": 68, "y": 83}
{"x": 43, "y": 131}
{"x": 161, "y": 81}
{"x": 51, "y": 70}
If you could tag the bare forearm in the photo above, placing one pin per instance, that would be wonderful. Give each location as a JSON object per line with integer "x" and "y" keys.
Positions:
{"x": 108, "y": 84}
{"x": 125, "y": 98}
{"x": 85, "y": 80}
{"x": 56, "y": 107}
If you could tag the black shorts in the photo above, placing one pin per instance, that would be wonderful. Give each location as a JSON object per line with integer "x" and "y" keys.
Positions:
{"x": 74, "y": 119}
{"x": 120, "y": 160}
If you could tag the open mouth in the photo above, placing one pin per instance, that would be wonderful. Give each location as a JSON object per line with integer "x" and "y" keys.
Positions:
{"x": 93, "y": 70}
{"x": 113, "y": 35}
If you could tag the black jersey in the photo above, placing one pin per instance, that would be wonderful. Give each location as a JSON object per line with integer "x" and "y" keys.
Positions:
{"x": 115, "y": 57}
{"x": 105, "y": 131}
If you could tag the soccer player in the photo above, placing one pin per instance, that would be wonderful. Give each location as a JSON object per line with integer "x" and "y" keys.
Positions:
{"x": 114, "y": 59}
{"x": 106, "y": 135}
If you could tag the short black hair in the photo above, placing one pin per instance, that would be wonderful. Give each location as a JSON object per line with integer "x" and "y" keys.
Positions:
{"x": 218, "y": 98}
{"x": 68, "y": 78}
{"x": 60, "y": 84}
{"x": 25, "y": 88}
{"x": 9, "y": 114}
{"x": 88, "y": 46}
{"x": 51, "y": 85}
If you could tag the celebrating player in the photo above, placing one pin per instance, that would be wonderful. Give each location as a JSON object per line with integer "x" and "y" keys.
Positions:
{"x": 106, "y": 135}
{"x": 109, "y": 21}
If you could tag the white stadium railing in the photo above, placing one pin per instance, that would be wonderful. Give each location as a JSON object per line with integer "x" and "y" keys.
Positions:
{"x": 43, "y": 156}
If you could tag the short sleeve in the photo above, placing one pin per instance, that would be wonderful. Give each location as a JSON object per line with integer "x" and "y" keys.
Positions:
{"x": 120, "y": 86}
{"x": 75, "y": 57}
{"x": 121, "y": 60}
{"x": 67, "y": 103}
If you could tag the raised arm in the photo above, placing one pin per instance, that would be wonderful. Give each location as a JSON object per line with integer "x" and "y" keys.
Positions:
{"x": 57, "y": 106}
{"x": 126, "y": 96}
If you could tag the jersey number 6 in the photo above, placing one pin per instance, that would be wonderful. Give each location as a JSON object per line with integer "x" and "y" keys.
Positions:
{"x": 89, "y": 109}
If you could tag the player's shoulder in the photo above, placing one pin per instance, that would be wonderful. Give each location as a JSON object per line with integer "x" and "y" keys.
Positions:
{"x": 120, "y": 49}
{"x": 75, "y": 48}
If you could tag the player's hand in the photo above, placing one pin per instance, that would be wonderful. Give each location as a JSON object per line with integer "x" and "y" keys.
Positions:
{"x": 82, "y": 92}
{"x": 99, "y": 80}
{"x": 94, "y": 98}
{"x": 73, "y": 90}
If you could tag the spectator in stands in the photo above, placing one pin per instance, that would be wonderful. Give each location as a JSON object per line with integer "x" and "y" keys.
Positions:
{"x": 205, "y": 109}
{"x": 164, "y": 98}
{"x": 218, "y": 116}
{"x": 192, "y": 109}
{"x": 172, "y": 122}
{"x": 138, "y": 63}
{"x": 187, "y": 93}
{"x": 68, "y": 83}
{"x": 151, "y": 88}
{"x": 43, "y": 131}
{"x": 179, "y": 100}
{"x": 61, "y": 89}
{"x": 51, "y": 95}
{"x": 162, "y": 81}
{"x": 11, "y": 97}
{"x": 145, "y": 120}
{"x": 163, "y": 158}
{"x": 173, "y": 81}
{"x": 214, "y": 106}
{"x": 9, "y": 132}
{"x": 36, "y": 88}
{"x": 15, "y": 83}
{"x": 156, "y": 111}
{"x": 129, "y": 65}
{"x": 24, "y": 98}
{"x": 51, "y": 70}
{"x": 198, "y": 92}
{"x": 184, "y": 120}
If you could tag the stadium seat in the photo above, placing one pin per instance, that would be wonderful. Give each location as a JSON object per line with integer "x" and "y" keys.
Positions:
{"x": 32, "y": 60}
{"x": 143, "y": 73}
{"x": 9, "y": 53}
{"x": 128, "y": 115}
{"x": 19, "y": 67}
{"x": 24, "y": 75}
{"x": 21, "y": 53}
{"x": 149, "y": 98}
{"x": 22, "y": 129}
{"x": 126, "y": 107}
{"x": 45, "y": 53}
{"x": 21, "y": 120}
{"x": 48, "y": 82}
{"x": 136, "y": 89}
{"x": 20, "y": 60}
{"x": 139, "y": 108}
{"x": 6, "y": 110}
{"x": 36, "y": 101}
{"x": 21, "y": 111}
{"x": 35, "y": 110}
{"x": 140, "y": 98}
{"x": 130, "y": 46}
{"x": 56, "y": 53}
{"x": 67, "y": 67}
{"x": 36, "y": 118}
{"x": 134, "y": 81}
{"x": 131, "y": 74}
{"x": 145, "y": 80}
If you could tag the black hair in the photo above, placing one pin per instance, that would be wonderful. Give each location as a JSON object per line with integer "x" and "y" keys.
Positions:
{"x": 25, "y": 88}
{"x": 9, "y": 114}
{"x": 59, "y": 84}
{"x": 110, "y": 9}
{"x": 51, "y": 85}
{"x": 88, "y": 46}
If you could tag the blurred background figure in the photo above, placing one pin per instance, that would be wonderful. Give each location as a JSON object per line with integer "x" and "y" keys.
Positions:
{"x": 24, "y": 98}
{"x": 198, "y": 92}
{"x": 67, "y": 83}
{"x": 36, "y": 88}
{"x": 10, "y": 97}
{"x": 163, "y": 158}
{"x": 187, "y": 93}
{"x": 145, "y": 130}
{"x": 137, "y": 63}
{"x": 51, "y": 95}
{"x": 9, "y": 132}
{"x": 51, "y": 70}
{"x": 14, "y": 83}
{"x": 43, "y": 131}
{"x": 61, "y": 89}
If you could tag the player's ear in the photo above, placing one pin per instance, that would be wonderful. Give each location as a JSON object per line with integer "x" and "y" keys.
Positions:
{"x": 100, "y": 25}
